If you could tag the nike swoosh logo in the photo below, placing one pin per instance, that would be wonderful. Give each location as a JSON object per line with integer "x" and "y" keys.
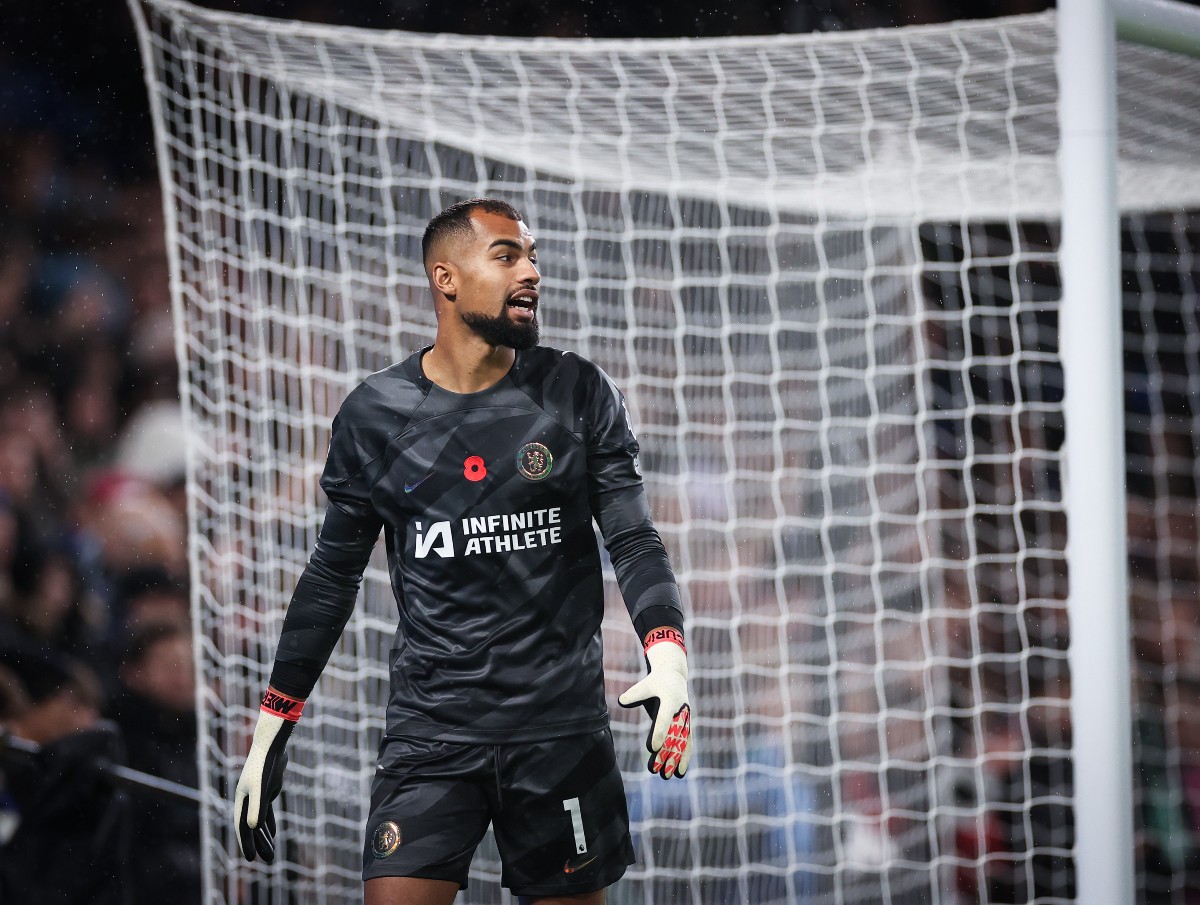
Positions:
{"x": 570, "y": 868}
{"x": 409, "y": 488}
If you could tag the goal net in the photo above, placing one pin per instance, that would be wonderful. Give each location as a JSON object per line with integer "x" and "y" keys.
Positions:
{"x": 824, "y": 271}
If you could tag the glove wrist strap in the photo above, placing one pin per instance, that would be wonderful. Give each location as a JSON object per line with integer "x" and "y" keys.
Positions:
{"x": 281, "y": 705}
{"x": 666, "y": 633}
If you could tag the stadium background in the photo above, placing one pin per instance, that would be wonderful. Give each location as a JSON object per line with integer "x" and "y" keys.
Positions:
{"x": 93, "y": 592}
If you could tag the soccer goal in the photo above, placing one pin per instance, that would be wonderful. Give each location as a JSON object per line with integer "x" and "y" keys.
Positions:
{"x": 824, "y": 269}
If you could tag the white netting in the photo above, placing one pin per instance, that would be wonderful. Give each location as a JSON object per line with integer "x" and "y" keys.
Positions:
{"x": 824, "y": 271}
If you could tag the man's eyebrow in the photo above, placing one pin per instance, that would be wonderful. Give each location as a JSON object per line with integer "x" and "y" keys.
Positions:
{"x": 512, "y": 243}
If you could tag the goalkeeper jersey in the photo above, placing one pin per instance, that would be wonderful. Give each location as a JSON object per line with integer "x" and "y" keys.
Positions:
{"x": 486, "y": 501}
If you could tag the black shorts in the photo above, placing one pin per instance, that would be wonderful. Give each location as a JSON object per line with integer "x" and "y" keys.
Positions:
{"x": 558, "y": 808}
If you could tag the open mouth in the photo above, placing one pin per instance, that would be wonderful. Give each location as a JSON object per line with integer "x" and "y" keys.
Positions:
{"x": 524, "y": 302}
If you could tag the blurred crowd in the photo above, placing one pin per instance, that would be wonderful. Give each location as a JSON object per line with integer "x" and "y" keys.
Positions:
{"x": 96, "y": 665}
{"x": 95, "y": 647}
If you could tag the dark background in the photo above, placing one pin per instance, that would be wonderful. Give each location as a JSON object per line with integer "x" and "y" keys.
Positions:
{"x": 73, "y": 67}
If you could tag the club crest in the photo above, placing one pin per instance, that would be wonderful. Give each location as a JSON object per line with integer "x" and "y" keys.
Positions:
{"x": 386, "y": 839}
{"x": 534, "y": 461}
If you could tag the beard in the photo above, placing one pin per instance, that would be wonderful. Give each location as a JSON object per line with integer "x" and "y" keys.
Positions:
{"x": 502, "y": 330}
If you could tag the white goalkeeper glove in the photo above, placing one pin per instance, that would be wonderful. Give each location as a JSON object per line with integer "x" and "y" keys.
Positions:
{"x": 262, "y": 776}
{"x": 664, "y": 694}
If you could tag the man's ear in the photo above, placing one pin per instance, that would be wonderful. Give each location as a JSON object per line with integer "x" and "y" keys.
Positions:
{"x": 445, "y": 279}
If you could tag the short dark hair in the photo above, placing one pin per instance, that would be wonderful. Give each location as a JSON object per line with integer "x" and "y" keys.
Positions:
{"x": 456, "y": 220}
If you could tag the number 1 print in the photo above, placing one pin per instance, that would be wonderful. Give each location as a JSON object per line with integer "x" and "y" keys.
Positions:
{"x": 572, "y": 805}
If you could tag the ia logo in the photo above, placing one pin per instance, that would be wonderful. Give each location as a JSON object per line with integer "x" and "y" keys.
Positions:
{"x": 437, "y": 540}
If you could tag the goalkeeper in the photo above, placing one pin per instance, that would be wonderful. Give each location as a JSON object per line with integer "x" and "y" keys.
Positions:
{"x": 485, "y": 459}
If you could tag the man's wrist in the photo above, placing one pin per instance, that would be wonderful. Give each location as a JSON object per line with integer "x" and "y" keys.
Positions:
{"x": 663, "y": 634}
{"x": 282, "y": 705}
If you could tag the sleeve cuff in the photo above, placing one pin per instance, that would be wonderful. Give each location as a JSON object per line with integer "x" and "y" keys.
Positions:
{"x": 657, "y": 617}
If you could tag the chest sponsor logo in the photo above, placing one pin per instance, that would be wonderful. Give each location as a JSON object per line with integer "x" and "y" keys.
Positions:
{"x": 534, "y": 461}
{"x": 505, "y": 533}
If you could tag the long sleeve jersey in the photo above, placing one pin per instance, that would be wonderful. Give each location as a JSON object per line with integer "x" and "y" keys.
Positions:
{"x": 486, "y": 501}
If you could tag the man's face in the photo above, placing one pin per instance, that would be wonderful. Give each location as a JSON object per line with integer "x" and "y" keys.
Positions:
{"x": 498, "y": 289}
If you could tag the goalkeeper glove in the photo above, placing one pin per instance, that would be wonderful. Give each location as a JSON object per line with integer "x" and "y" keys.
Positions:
{"x": 664, "y": 694}
{"x": 262, "y": 776}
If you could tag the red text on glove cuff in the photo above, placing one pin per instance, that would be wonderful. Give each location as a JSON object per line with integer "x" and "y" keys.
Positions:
{"x": 667, "y": 633}
{"x": 282, "y": 705}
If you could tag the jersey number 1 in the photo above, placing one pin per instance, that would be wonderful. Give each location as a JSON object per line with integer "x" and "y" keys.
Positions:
{"x": 572, "y": 805}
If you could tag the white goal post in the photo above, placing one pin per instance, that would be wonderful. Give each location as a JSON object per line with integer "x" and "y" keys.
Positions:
{"x": 1094, "y": 455}
{"x": 826, "y": 271}
{"x": 1092, "y": 352}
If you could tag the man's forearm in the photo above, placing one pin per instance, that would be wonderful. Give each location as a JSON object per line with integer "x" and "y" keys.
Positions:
{"x": 322, "y": 602}
{"x": 646, "y": 579}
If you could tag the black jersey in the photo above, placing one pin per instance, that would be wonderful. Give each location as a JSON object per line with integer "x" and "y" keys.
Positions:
{"x": 486, "y": 501}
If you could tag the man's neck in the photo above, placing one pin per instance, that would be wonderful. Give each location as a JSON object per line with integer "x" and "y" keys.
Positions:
{"x": 466, "y": 366}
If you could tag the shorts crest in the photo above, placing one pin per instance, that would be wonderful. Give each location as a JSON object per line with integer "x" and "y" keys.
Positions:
{"x": 386, "y": 839}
